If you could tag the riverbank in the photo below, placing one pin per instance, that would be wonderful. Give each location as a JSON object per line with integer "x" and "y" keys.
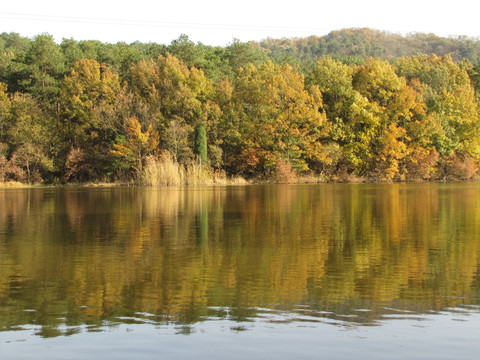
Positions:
{"x": 237, "y": 181}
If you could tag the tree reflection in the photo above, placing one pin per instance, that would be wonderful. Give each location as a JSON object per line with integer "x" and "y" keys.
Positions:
{"x": 85, "y": 256}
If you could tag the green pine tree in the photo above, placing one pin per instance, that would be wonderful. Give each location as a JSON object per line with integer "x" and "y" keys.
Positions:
{"x": 200, "y": 149}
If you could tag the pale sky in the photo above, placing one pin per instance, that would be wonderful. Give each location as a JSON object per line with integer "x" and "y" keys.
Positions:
{"x": 218, "y": 22}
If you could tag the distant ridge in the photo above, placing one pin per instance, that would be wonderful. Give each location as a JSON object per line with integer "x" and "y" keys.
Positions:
{"x": 355, "y": 44}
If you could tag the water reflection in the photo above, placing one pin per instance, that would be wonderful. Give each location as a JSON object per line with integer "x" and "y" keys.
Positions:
{"x": 341, "y": 254}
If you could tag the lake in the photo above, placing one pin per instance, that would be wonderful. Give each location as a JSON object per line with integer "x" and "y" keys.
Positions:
{"x": 335, "y": 271}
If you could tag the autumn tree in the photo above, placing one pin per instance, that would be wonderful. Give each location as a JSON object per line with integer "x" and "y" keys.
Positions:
{"x": 354, "y": 119}
{"x": 132, "y": 148}
{"x": 397, "y": 108}
{"x": 450, "y": 103}
{"x": 334, "y": 80}
{"x": 273, "y": 117}
{"x": 89, "y": 87}
{"x": 177, "y": 98}
{"x": 375, "y": 116}
{"x": 449, "y": 97}
{"x": 31, "y": 139}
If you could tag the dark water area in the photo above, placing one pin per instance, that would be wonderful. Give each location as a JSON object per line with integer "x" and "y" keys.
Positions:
{"x": 263, "y": 271}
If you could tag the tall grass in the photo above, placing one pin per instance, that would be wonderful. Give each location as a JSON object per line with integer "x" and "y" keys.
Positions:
{"x": 165, "y": 171}
{"x": 198, "y": 175}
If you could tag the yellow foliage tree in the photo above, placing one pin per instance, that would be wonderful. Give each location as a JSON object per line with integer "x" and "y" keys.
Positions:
{"x": 177, "y": 97}
{"x": 277, "y": 119}
{"x": 132, "y": 148}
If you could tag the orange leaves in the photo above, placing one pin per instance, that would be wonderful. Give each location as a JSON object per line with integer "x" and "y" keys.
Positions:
{"x": 138, "y": 141}
{"x": 393, "y": 151}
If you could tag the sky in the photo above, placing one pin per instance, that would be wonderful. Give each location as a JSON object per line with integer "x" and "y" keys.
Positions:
{"x": 219, "y": 22}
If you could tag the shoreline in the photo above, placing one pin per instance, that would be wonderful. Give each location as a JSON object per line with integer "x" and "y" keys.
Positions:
{"x": 235, "y": 182}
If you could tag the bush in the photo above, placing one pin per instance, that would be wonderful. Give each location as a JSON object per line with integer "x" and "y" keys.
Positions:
{"x": 459, "y": 166}
{"x": 284, "y": 174}
{"x": 421, "y": 164}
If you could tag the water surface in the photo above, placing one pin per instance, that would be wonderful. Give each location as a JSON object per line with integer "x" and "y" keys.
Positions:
{"x": 384, "y": 271}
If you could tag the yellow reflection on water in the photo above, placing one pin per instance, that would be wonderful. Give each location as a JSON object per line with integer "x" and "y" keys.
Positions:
{"x": 76, "y": 256}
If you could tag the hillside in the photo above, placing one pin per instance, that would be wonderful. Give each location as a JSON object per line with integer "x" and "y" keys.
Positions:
{"x": 354, "y": 45}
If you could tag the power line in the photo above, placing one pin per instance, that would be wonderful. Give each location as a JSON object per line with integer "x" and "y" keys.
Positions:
{"x": 152, "y": 23}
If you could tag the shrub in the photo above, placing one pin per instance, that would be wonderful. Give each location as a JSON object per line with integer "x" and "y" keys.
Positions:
{"x": 459, "y": 166}
{"x": 284, "y": 174}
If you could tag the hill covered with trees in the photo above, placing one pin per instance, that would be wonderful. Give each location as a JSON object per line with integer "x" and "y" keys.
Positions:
{"x": 356, "y": 103}
{"x": 355, "y": 45}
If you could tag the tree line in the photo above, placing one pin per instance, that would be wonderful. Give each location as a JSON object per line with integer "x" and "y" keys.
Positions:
{"x": 87, "y": 111}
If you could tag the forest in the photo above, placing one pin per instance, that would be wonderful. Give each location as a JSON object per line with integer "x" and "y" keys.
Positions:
{"x": 354, "y": 105}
